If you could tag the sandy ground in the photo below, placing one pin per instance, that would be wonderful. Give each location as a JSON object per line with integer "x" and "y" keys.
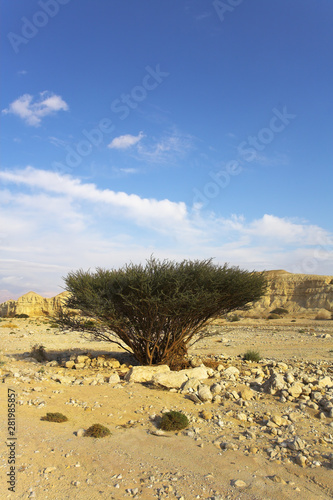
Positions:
{"x": 51, "y": 462}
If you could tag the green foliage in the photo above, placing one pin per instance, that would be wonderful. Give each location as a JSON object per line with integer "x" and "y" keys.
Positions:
{"x": 53, "y": 325}
{"x": 155, "y": 311}
{"x": 234, "y": 318}
{"x": 174, "y": 421}
{"x": 252, "y": 356}
{"x": 55, "y": 417}
{"x": 97, "y": 431}
{"x": 23, "y": 316}
{"x": 38, "y": 352}
{"x": 273, "y": 316}
{"x": 89, "y": 324}
{"x": 280, "y": 311}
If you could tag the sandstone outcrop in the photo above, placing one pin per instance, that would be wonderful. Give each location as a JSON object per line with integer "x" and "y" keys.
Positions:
{"x": 33, "y": 304}
{"x": 297, "y": 292}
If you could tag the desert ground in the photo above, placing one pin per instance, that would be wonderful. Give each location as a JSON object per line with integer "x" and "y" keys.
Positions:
{"x": 250, "y": 440}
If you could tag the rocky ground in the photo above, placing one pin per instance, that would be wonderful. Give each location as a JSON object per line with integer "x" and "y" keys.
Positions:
{"x": 258, "y": 430}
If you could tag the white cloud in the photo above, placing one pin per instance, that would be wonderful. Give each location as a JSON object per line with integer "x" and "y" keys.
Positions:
{"x": 33, "y": 112}
{"x": 52, "y": 223}
{"x": 287, "y": 230}
{"x": 125, "y": 141}
{"x": 168, "y": 149}
{"x": 160, "y": 214}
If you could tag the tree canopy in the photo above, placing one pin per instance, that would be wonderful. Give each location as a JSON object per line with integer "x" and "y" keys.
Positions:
{"x": 156, "y": 310}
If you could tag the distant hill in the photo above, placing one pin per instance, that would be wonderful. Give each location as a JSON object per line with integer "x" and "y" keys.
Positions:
{"x": 33, "y": 304}
{"x": 297, "y": 292}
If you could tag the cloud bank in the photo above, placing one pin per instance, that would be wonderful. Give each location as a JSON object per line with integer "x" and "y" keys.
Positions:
{"x": 52, "y": 223}
{"x": 33, "y": 112}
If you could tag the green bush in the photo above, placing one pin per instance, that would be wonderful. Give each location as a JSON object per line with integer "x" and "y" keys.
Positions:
{"x": 280, "y": 311}
{"x": 21, "y": 316}
{"x": 174, "y": 421}
{"x": 252, "y": 356}
{"x": 97, "y": 431}
{"x": 55, "y": 417}
{"x": 234, "y": 318}
{"x": 156, "y": 311}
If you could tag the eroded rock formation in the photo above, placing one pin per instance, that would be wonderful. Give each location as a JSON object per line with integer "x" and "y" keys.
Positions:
{"x": 297, "y": 292}
{"x": 33, "y": 304}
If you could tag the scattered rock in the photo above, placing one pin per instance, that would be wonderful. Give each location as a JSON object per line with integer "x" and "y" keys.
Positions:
{"x": 247, "y": 394}
{"x": 145, "y": 373}
{"x": 204, "y": 393}
{"x": 239, "y": 483}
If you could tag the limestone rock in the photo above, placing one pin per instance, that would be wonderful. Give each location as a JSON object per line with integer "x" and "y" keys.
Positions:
{"x": 232, "y": 370}
{"x": 114, "y": 379}
{"x": 274, "y": 384}
{"x": 239, "y": 483}
{"x": 247, "y": 394}
{"x": 145, "y": 373}
{"x": 295, "y": 390}
{"x": 191, "y": 384}
{"x": 325, "y": 382}
{"x": 204, "y": 393}
{"x": 170, "y": 379}
{"x": 199, "y": 372}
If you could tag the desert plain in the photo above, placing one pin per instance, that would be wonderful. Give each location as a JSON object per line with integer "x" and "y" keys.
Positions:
{"x": 249, "y": 438}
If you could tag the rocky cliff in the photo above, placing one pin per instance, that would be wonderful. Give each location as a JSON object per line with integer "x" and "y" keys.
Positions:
{"x": 297, "y": 292}
{"x": 32, "y": 304}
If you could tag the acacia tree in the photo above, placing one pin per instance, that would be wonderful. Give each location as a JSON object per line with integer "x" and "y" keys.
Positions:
{"x": 156, "y": 311}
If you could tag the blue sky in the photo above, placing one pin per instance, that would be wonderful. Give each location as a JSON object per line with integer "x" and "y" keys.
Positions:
{"x": 183, "y": 129}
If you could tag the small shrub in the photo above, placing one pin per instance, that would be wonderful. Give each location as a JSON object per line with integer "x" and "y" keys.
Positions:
{"x": 252, "y": 356}
{"x": 97, "y": 431}
{"x": 301, "y": 330}
{"x": 38, "y": 352}
{"x": 273, "y": 316}
{"x": 55, "y": 417}
{"x": 280, "y": 311}
{"x": 174, "y": 421}
{"x": 234, "y": 318}
{"x": 23, "y": 316}
{"x": 41, "y": 370}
